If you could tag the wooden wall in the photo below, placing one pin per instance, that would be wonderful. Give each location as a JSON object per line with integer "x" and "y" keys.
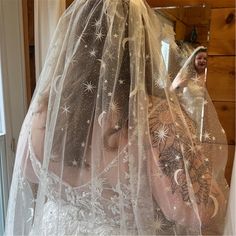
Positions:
{"x": 28, "y": 21}
{"x": 221, "y": 73}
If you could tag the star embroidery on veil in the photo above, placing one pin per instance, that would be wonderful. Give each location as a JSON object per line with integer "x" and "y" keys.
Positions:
{"x": 109, "y": 94}
{"x": 115, "y": 35}
{"x": 103, "y": 64}
{"x": 207, "y": 136}
{"x": 97, "y": 24}
{"x": 161, "y": 134}
{"x": 99, "y": 36}
{"x": 159, "y": 224}
{"x": 74, "y": 163}
{"x": 92, "y": 53}
{"x": 81, "y": 37}
{"x": 196, "y": 80}
{"x": 109, "y": 55}
{"x": 114, "y": 106}
{"x": 121, "y": 81}
{"x": 177, "y": 157}
{"x": 89, "y": 87}
{"x": 66, "y": 109}
{"x": 117, "y": 127}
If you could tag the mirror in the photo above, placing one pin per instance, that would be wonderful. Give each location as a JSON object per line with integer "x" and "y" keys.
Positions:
{"x": 191, "y": 26}
{"x": 188, "y": 70}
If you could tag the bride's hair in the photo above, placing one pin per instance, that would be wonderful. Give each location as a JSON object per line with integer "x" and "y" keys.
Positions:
{"x": 86, "y": 72}
{"x": 189, "y": 69}
{"x": 76, "y": 76}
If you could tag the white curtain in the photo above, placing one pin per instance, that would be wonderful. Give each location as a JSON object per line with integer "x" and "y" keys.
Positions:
{"x": 46, "y": 16}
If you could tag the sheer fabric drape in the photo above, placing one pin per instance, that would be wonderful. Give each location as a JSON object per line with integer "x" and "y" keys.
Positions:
{"x": 105, "y": 148}
{"x": 46, "y": 16}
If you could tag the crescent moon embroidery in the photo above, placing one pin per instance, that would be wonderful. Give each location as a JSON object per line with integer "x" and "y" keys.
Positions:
{"x": 55, "y": 84}
{"x": 119, "y": 15}
{"x": 176, "y": 175}
{"x": 31, "y": 214}
{"x": 100, "y": 117}
{"x": 125, "y": 41}
{"x": 216, "y": 204}
{"x": 133, "y": 92}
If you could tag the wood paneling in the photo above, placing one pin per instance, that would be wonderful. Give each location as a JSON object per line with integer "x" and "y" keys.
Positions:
{"x": 28, "y": 19}
{"x": 231, "y": 156}
{"x": 221, "y": 78}
{"x": 211, "y": 3}
{"x": 226, "y": 113}
{"x": 169, "y": 3}
{"x": 222, "y": 32}
{"x": 68, "y": 2}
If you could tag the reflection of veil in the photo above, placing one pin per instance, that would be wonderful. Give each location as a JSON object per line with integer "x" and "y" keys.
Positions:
{"x": 105, "y": 148}
{"x": 188, "y": 69}
{"x": 190, "y": 87}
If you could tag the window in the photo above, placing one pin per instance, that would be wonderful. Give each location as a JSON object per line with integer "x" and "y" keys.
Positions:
{"x": 165, "y": 49}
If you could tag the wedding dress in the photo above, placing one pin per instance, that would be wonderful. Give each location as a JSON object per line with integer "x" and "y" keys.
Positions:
{"x": 192, "y": 93}
{"x": 105, "y": 148}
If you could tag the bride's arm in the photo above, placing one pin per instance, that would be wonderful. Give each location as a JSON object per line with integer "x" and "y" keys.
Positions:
{"x": 34, "y": 148}
{"x": 179, "y": 83}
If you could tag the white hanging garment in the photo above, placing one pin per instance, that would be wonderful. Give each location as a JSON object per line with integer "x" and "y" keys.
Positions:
{"x": 46, "y": 16}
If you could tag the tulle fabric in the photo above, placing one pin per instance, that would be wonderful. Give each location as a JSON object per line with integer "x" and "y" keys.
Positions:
{"x": 106, "y": 148}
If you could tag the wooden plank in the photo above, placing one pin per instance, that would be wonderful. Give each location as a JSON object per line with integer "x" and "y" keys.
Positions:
{"x": 170, "y": 3}
{"x": 229, "y": 166}
{"x": 26, "y": 51}
{"x": 221, "y": 78}
{"x": 30, "y": 6}
{"x": 211, "y": 3}
{"x": 226, "y": 114}
{"x": 202, "y": 33}
{"x": 222, "y": 32}
{"x": 68, "y": 3}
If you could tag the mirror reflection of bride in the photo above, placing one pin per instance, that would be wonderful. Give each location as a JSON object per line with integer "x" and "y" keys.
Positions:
{"x": 189, "y": 84}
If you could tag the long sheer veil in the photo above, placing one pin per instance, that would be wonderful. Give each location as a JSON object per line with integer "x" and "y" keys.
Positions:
{"x": 105, "y": 148}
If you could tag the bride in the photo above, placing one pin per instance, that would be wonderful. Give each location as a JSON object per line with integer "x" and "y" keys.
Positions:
{"x": 189, "y": 84}
{"x": 105, "y": 148}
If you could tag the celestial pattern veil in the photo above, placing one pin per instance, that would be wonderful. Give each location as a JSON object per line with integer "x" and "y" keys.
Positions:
{"x": 106, "y": 148}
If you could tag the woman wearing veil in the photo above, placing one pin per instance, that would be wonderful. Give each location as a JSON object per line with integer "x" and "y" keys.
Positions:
{"x": 105, "y": 148}
{"x": 189, "y": 84}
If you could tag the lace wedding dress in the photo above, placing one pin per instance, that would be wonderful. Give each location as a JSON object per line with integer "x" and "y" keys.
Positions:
{"x": 105, "y": 148}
